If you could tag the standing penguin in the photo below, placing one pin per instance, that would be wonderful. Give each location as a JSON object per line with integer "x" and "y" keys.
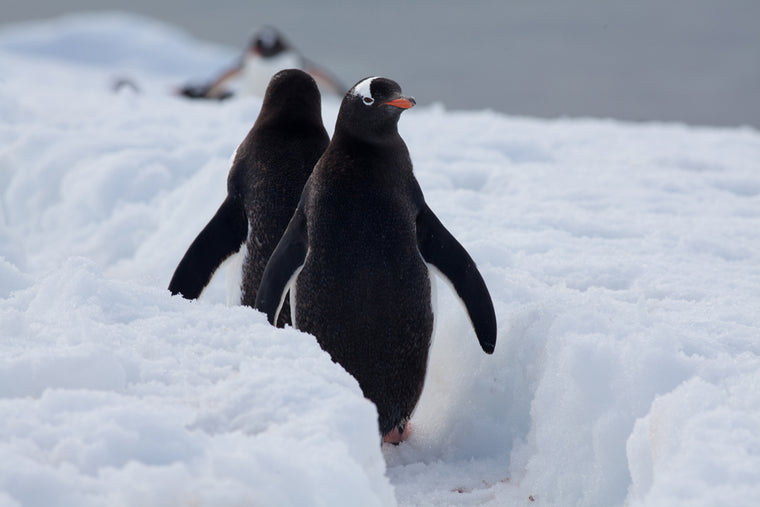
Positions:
{"x": 355, "y": 256}
{"x": 264, "y": 184}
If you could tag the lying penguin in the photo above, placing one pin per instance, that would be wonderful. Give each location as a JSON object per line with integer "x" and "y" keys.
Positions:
{"x": 264, "y": 184}
{"x": 267, "y": 53}
{"x": 355, "y": 258}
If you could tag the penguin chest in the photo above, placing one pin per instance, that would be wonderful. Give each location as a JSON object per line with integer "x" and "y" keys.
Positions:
{"x": 257, "y": 71}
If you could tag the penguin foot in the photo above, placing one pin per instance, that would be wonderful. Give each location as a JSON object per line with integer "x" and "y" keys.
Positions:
{"x": 398, "y": 434}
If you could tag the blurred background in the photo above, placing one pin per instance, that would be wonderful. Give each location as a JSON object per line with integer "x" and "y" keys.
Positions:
{"x": 691, "y": 61}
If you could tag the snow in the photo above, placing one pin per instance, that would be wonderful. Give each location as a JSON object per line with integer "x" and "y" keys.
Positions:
{"x": 623, "y": 261}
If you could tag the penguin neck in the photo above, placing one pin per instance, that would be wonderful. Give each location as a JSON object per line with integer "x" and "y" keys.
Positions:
{"x": 386, "y": 158}
{"x": 386, "y": 137}
{"x": 290, "y": 120}
{"x": 292, "y": 115}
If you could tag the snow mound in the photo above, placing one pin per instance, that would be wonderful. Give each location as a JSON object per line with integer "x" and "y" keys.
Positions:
{"x": 113, "y": 393}
{"x": 115, "y": 41}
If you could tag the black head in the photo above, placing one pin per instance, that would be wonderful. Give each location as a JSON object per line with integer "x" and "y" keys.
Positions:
{"x": 268, "y": 42}
{"x": 292, "y": 95}
{"x": 371, "y": 109}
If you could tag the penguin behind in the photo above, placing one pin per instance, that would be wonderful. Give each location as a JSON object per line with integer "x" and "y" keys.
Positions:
{"x": 264, "y": 184}
{"x": 355, "y": 259}
{"x": 267, "y": 52}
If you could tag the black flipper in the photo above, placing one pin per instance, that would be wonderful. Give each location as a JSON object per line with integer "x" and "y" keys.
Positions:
{"x": 287, "y": 257}
{"x": 439, "y": 248}
{"x": 221, "y": 237}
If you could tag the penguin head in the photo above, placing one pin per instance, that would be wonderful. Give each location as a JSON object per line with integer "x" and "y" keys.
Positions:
{"x": 267, "y": 42}
{"x": 291, "y": 96}
{"x": 371, "y": 109}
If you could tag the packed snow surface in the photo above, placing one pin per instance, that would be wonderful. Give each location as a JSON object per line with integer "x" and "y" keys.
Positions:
{"x": 623, "y": 261}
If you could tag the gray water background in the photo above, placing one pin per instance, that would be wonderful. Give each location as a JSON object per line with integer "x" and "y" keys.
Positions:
{"x": 691, "y": 61}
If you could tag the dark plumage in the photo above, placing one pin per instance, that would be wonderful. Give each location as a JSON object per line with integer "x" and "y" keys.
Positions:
{"x": 362, "y": 235}
{"x": 264, "y": 184}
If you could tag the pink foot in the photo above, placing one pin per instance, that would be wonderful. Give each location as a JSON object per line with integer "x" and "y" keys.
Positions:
{"x": 395, "y": 436}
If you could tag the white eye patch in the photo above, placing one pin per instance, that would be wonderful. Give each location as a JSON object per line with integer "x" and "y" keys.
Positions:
{"x": 362, "y": 89}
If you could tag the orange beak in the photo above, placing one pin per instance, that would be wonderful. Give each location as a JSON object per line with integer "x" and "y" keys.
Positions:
{"x": 403, "y": 103}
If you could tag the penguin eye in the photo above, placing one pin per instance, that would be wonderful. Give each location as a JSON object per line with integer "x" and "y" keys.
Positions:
{"x": 368, "y": 100}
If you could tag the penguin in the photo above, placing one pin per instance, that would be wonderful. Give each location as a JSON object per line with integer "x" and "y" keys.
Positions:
{"x": 264, "y": 185}
{"x": 267, "y": 52}
{"x": 357, "y": 255}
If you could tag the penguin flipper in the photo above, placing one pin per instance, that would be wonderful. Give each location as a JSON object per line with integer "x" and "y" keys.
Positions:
{"x": 287, "y": 258}
{"x": 324, "y": 78}
{"x": 221, "y": 237}
{"x": 439, "y": 248}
